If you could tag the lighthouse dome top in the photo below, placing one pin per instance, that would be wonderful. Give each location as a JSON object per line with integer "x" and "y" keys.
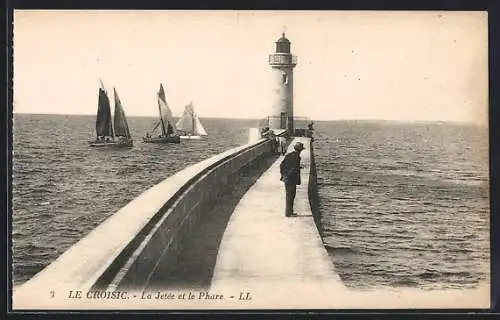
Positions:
{"x": 283, "y": 38}
{"x": 283, "y": 44}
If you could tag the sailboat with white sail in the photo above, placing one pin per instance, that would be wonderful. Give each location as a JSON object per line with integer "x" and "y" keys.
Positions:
{"x": 189, "y": 125}
{"x": 111, "y": 133}
{"x": 164, "y": 126}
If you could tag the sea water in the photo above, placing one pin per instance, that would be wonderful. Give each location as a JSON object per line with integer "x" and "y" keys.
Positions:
{"x": 402, "y": 204}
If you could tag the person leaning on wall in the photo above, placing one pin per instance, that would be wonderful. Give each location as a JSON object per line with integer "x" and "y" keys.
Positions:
{"x": 269, "y": 134}
{"x": 282, "y": 145}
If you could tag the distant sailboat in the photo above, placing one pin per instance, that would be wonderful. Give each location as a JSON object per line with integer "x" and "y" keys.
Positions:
{"x": 111, "y": 134}
{"x": 189, "y": 125}
{"x": 165, "y": 125}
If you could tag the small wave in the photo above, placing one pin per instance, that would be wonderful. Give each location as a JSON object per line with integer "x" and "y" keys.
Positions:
{"x": 433, "y": 274}
{"x": 393, "y": 236}
{"x": 126, "y": 170}
{"x": 341, "y": 250}
{"x": 426, "y": 248}
{"x": 387, "y": 167}
{"x": 459, "y": 250}
{"x": 401, "y": 198}
{"x": 468, "y": 182}
{"x": 36, "y": 249}
{"x": 405, "y": 282}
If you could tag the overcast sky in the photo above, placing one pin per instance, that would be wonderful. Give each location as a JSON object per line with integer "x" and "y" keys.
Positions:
{"x": 352, "y": 65}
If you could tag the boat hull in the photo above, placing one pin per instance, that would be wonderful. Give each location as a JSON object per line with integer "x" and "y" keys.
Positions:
{"x": 190, "y": 137}
{"x": 171, "y": 139}
{"x": 112, "y": 144}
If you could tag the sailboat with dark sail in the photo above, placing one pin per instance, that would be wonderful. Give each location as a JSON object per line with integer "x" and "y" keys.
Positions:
{"x": 189, "y": 125}
{"x": 111, "y": 133}
{"x": 164, "y": 126}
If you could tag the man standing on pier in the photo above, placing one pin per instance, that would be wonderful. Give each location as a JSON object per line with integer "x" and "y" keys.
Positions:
{"x": 290, "y": 175}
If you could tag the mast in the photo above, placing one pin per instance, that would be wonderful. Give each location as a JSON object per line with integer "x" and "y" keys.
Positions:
{"x": 113, "y": 117}
{"x": 161, "y": 119}
{"x": 160, "y": 96}
{"x": 112, "y": 127}
{"x": 98, "y": 121}
{"x": 193, "y": 122}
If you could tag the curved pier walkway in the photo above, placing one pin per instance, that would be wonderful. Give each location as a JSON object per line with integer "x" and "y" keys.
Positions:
{"x": 194, "y": 267}
{"x": 278, "y": 260}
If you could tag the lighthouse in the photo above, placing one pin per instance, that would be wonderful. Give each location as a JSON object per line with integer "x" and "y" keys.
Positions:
{"x": 282, "y": 63}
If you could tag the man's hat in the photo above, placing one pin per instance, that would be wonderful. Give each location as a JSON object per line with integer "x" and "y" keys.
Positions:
{"x": 299, "y": 146}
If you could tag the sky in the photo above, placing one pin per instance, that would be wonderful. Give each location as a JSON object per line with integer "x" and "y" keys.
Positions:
{"x": 405, "y": 66}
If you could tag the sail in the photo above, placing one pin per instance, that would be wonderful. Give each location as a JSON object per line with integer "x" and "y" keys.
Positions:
{"x": 121, "y": 125}
{"x": 199, "y": 130}
{"x": 186, "y": 122}
{"x": 165, "y": 112}
{"x": 103, "y": 119}
{"x": 190, "y": 123}
{"x": 156, "y": 126}
{"x": 157, "y": 129}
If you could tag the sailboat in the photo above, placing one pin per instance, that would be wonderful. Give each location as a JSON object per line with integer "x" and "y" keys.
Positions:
{"x": 189, "y": 125}
{"x": 167, "y": 133}
{"x": 111, "y": 133}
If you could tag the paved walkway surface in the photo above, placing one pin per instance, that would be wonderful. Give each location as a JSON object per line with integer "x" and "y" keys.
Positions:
{"x": 270, "y": 255}
{"x": 194, "y": 267}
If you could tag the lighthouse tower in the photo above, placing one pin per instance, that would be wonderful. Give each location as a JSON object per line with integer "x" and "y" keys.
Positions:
{"x": 282, "y": 63}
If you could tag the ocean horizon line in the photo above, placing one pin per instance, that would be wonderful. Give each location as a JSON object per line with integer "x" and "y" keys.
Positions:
{"x": 301, "y": 118}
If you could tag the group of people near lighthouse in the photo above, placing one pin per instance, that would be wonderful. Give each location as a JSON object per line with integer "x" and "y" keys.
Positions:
{"x": 290, "y": 165}
{"x": 278, "y": 143}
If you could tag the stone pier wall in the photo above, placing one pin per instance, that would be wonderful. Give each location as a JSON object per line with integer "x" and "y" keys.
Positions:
{"x": 124, "y": 250}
